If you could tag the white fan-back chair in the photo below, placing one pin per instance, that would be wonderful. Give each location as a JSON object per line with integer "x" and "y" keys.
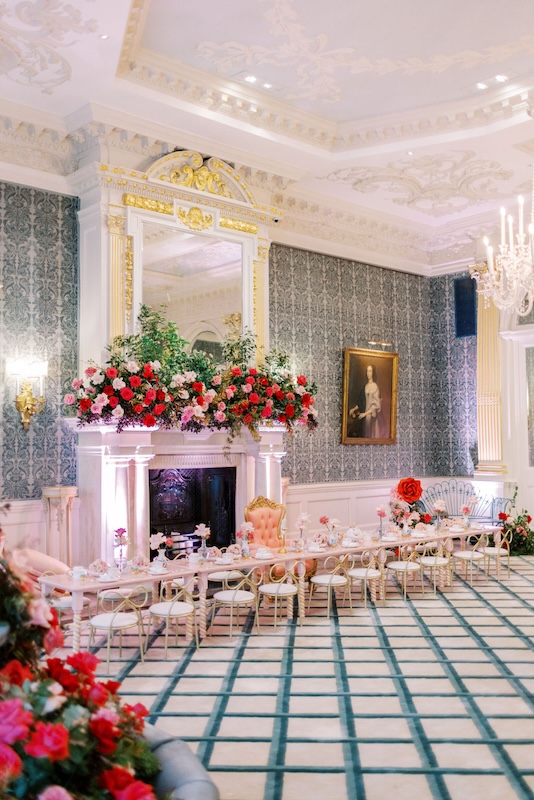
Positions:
{"x": 282, "y": 584}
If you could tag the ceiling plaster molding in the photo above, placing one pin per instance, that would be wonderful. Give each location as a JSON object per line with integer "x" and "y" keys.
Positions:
{"x": 436, "y": 184}
{"x": 40, "y": 148}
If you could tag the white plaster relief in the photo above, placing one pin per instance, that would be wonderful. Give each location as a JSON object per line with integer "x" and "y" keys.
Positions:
{"x": 436, "y": 185}
{"x": 30, "y": 36}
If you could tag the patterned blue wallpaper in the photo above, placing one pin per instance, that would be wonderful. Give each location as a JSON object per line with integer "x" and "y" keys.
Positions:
{"x": 38, "y": 317}
{"x": 321, "y": 304}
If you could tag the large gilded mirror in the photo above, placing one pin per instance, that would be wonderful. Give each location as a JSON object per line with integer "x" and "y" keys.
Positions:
{"x": 199, "y": 278}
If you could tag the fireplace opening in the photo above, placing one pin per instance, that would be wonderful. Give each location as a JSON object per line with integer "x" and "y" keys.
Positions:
{"x": 181, "y": 499}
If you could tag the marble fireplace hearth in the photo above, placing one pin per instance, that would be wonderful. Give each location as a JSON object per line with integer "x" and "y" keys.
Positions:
{"x": 113, "y": 478}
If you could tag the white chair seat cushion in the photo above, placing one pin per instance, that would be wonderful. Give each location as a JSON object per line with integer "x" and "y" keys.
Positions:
{"x": 468, "y": 555}
{"x": 171, "y": 609}
{"x": 276, "y": 589}
{"x": 494, "y": 551}
{"x": 403, "y": 566}
{"x": 65, "y": 602}
{"x": 122, "y": 619}
{"x": 225, "y": 575}
{"x": 234, "y": 596}
{"x": 434, "y": 561}
{"x": 361, "y": 573}
{"x": 329, "y": 580}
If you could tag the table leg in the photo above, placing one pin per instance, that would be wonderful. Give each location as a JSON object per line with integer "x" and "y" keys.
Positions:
{"x": 202, "y": 585}
{"x": 77, "y": 608}
{"x": 301, "y": 572}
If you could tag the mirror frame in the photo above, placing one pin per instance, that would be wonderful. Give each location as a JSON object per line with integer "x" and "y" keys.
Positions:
{"x": 208, "y": 197}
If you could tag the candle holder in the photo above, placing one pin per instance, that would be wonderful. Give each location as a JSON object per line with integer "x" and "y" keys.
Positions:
{"x": 282, "y": 537}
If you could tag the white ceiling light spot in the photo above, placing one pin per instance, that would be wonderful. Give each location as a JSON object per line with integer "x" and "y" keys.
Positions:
{"x": 250, "y": 78}
{"x": 409, "y": 153}
{"x": 104, "y": 36}
{"x": 482, "y": 86}
{"x": 267, "y": 86}
{"x": 501, "y": 78}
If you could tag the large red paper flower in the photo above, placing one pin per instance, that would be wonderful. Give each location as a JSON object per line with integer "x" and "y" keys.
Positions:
{"x": 107, "y": 734}
{"x": 409, "y": 490}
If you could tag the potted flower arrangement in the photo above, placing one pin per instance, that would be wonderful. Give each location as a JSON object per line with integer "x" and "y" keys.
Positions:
{"x": 244, "y": 536}
{"x": 151, "y": 380}
{"x": 522, "y": 541}
{"x": 405, "y": 509}
{"x": 160, "y": 542}
{"x": 330, "y": 524}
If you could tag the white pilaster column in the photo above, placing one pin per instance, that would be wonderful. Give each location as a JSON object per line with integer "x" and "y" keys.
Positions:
{"x": 489, "y": 422}
{"x": 57, "y": 502}
{"x": 140, "y": 523}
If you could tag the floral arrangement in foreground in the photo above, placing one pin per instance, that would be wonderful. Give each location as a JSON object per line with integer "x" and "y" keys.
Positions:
{"x": 405, "y": 508}
{"x": 151, "y": 380}
{"x": 66, "y": 736}
{"x": 522, "y": 542}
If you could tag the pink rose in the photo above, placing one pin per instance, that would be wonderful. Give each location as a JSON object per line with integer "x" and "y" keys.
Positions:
{"x": 54, "y": 793}
{"x": 216, "y": 380}
{"x": 10, "y": 765}
{"x": 323, "y": 520}
{"x": 111, "y": 373}
{"x": 220, "y": 416}
{"x": 246, "y": 388}
{"x": 69, "y": 399}
{"x": 90, "y": 371}
{"x": 40, "y": 613}
{"x": 14, "y": 721}
{"x": 221, "y": 406}
{"x": 77, "y": 383}
{"x": 49, "y": 741}
{"x": 230, "y": 391}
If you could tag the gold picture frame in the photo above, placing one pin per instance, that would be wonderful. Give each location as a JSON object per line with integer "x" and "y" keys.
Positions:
{"x": 369, "y": 397}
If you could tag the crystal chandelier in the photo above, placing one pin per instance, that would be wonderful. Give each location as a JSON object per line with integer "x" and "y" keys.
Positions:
{"x": 507, "y": 277}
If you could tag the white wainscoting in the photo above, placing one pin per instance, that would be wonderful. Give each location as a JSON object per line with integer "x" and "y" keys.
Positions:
{"x": 356, "y": 502}
{"x": 24, "y": 525}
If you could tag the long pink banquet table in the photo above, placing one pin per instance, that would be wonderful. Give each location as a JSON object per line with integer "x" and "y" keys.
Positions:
{"x": 196, "y": 575}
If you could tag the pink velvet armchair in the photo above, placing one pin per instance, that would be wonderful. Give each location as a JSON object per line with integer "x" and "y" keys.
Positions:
{"x": 266, "y": 516}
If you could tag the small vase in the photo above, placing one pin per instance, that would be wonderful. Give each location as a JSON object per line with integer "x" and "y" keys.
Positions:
{"x": 380, "y": 532}
{"x": 203, "y": 549}
{"x": 438, "y": 522}
{"x": 466, "y": 521}
{"x": 245, "y": 549}
{"x": 161, "y": 557}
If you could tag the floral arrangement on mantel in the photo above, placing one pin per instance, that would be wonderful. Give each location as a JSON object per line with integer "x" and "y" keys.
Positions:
{"x": 151, "y": 380}
{"x": 64, "y": 735}
{"x": 405, "y": 506}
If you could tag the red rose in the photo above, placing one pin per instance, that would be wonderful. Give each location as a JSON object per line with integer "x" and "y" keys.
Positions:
{"x": 63, "y": 676}
{"x": 147, "y": 371}
{"x": 126, "y": 393}
{"x": 254, "y": 398}
{"x": 83, "y": 662}
{"x": 281, "y": 417}
{"x": 150, "y": 396}
{"x": 236, "y": 371}
{"x": 269, "y": 391}
{"x": 135, "y": 381}
{"x": 107, "y": 734}
{"x": 279, "y": 395}
{"x": 247, "y": 419}
{"x": 264, "y": 381}
{"x": 158, "y": 409}
{"x": 112, "y": 686}
{"x": 409, "y": 490}
{"x": 53, "y": 638}
{"x": 503, "y": 515}
{"x": 198, "y": 387}
{"x": 111, "y": 373}
{"x": 98, "y": 694}
{"x": 427, "y": 518}
{"x": 115, "y": 779}
{"x": 49, "y": 741}
{"x": 306, "y": 399}
{"x": 138, "y": 711}
{"x": 10, "y": 765}
{"x": 85, "y": 404}
{"x": 149, "y": 421}
{"x": 529, "y": 518}
{"x": 138, "y": 408}
{"x": 160, "y": 395}
{"x": 113, "y": 402}
{"x": 267, "y": 411}
{"x": 301, "y": 380}
{"x": 16, "y": 673}
{"x": 250, "y": 380}
{"x": 290, "y": 410}
{"x": 109, "y": 390}
{"x": 252, "y": 371}
{"x": 14, "y": 721}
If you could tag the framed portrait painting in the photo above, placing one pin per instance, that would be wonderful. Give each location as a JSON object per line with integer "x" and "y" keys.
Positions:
{"x": 369, "y": 397}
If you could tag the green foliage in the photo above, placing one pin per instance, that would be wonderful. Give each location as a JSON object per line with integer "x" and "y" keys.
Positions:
{"x": 239, "y": 347}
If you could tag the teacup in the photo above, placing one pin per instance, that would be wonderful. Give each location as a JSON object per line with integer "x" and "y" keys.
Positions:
{"x": 79, "y": 573}
{"x": 114, "y": 573}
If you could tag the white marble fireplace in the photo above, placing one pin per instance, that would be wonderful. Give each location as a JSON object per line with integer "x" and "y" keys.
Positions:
{"x": 114, "y": 487}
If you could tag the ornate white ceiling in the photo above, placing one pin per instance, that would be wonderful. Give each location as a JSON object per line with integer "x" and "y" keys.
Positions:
{"x": 364, "y": 124}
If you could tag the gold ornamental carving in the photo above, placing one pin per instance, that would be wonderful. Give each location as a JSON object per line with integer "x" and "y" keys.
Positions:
{"x": 198, "y": 176}
{"x": 148, "y": 204}
{"x": 128, "y": 277}
{"x": 195, "y": 219}
{"x": 238, "y": 225}
{"x": 116, "y": 224}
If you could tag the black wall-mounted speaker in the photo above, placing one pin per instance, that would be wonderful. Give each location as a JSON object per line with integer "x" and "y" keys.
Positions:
{"x": 465, "y": 306}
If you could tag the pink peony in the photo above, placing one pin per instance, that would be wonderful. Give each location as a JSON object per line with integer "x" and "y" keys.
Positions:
{"x": 10, "y": 765}
{"x": 14, "y": 721}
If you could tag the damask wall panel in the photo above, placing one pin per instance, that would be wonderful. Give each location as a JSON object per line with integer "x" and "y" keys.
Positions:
{"x": 318, "y": 306}
{"x": 39, "y": 317}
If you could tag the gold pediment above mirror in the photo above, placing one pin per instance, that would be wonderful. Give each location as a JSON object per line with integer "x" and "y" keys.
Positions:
{"x": 207, "y": 175}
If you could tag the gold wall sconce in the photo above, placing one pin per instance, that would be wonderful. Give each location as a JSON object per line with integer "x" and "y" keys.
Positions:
{"x": 27, "y": 372}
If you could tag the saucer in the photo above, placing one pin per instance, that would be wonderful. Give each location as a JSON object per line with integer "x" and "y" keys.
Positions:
{"x": 157, "y": 571}
{"x": 316, "y": 549}
{"x": 224, "y": 561}
{"x": 456, "y": 529}
{"x": 107, "y": 579}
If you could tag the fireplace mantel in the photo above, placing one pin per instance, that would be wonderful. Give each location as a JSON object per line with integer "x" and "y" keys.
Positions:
{"x": 113, "y": 477}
